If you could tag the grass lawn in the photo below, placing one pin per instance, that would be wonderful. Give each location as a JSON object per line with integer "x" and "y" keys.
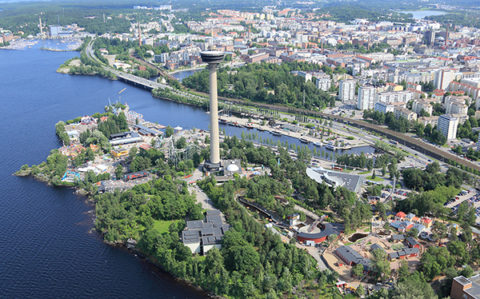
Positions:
{"x": 397, "y": 247}
{"x": 376, "y": 179}
{"x": 365, "y": 172}
{"x": 162, "y": 225}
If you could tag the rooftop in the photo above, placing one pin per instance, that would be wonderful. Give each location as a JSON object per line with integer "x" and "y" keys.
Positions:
{"x": 350, "y": 181}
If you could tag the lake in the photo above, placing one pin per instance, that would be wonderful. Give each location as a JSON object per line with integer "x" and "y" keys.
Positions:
{"x": 420, "y": 14}
{"x": 48, "y": 247}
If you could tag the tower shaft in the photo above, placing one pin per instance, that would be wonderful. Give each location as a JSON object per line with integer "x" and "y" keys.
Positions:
{"x": 214, "y": 134}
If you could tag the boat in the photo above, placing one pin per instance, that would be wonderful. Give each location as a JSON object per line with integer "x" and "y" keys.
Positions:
{"x": 276, "y": 133}
{"x": 330, "y": 146}
{"x": 249, "y": 126}
{"x": 303, "y": 140}
{"x": 317, "y": 144}
{"x": 222, "y": 121}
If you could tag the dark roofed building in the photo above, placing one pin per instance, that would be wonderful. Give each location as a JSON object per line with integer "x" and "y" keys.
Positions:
{"x": 398, "y": 237}
{"x": 412, "y": 243}
{"x": 401, "y": 254}
{"x": 201, "y": 236}
{"x": 351, "y": 257}
{"x": 376, "y": 246}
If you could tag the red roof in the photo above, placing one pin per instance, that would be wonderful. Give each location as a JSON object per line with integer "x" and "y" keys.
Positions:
{"x": 401, "y": 215}
{"x": 426, "y": 220}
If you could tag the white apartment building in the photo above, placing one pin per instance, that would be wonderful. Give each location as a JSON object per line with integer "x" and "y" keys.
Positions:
{"x": 366, "y": 97}
{"x": 405, "y": 113}
{"x": 454, "y": 105}
{"x": 323, "y": 82}
{"x": 394, "y": 97}
{"x": 418, "y": 106}
{"x": 448, "y": 124}
{"x": 347, "y": 90}
{"x": 443, "y": 79}
{"x": 384, "y": 108}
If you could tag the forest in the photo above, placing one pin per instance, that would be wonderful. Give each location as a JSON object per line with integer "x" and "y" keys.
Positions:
{"x": 267, "y": 83}
{"x": 253, "y": 262}
{"x": 24, "y": 17}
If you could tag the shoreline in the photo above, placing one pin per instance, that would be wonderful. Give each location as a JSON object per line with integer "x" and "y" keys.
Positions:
{"x": 88, "y": 200}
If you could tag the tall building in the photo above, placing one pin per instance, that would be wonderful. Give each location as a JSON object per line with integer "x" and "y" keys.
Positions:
{"x": 347, "y": 90}
{"x": 429, "y": 37}
{"x": 478, "y": 142}
{"x": 366, "y": 97}
{"x": 323, "y": 82}
{"x": 443, "y": 78}
{"x": 448, "y": 124}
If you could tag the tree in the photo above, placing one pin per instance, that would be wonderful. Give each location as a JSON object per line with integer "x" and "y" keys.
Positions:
{"x": 467, "y": 271}
{"x": 381, "y": 265}
{"x": 169, "y": 131}
{"x": 381, "y": 210}
{"x": 119, "y": 171}
{"x": 357, "y": 270}
{"x": 412, "y": 287}
{"x": 132, "y": 153}
{"x": 360, "y": 291}
{"x": 181, "y": 143}
{"x": 439, "y": 230}
{"x": 90, "y": 156}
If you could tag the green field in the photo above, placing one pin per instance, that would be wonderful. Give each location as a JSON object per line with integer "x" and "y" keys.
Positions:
{"x": 376, "y": 179}
{"x": 162, "y": 225}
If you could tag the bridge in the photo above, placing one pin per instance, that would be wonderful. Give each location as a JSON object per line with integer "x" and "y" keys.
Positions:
{"x": 138, "y": 81}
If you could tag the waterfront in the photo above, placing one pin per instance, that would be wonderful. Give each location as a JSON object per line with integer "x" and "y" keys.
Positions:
{"x": 180, "y": 75}
{"x": 47, "y": 248}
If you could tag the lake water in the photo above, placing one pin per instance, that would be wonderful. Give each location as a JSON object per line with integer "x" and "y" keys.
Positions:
{"x": 180, "y": 75}
{"x": 420, "y": 14}
{"x": 48, "y": 249}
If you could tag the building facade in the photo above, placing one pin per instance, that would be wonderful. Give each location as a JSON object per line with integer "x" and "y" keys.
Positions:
{"x": 366, "y": 97}
{"x": 448, "y": 124}
{"x": 347, "y": 90}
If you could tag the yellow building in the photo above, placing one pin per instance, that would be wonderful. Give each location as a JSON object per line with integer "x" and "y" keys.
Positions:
{"x": 120, "y": 152}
